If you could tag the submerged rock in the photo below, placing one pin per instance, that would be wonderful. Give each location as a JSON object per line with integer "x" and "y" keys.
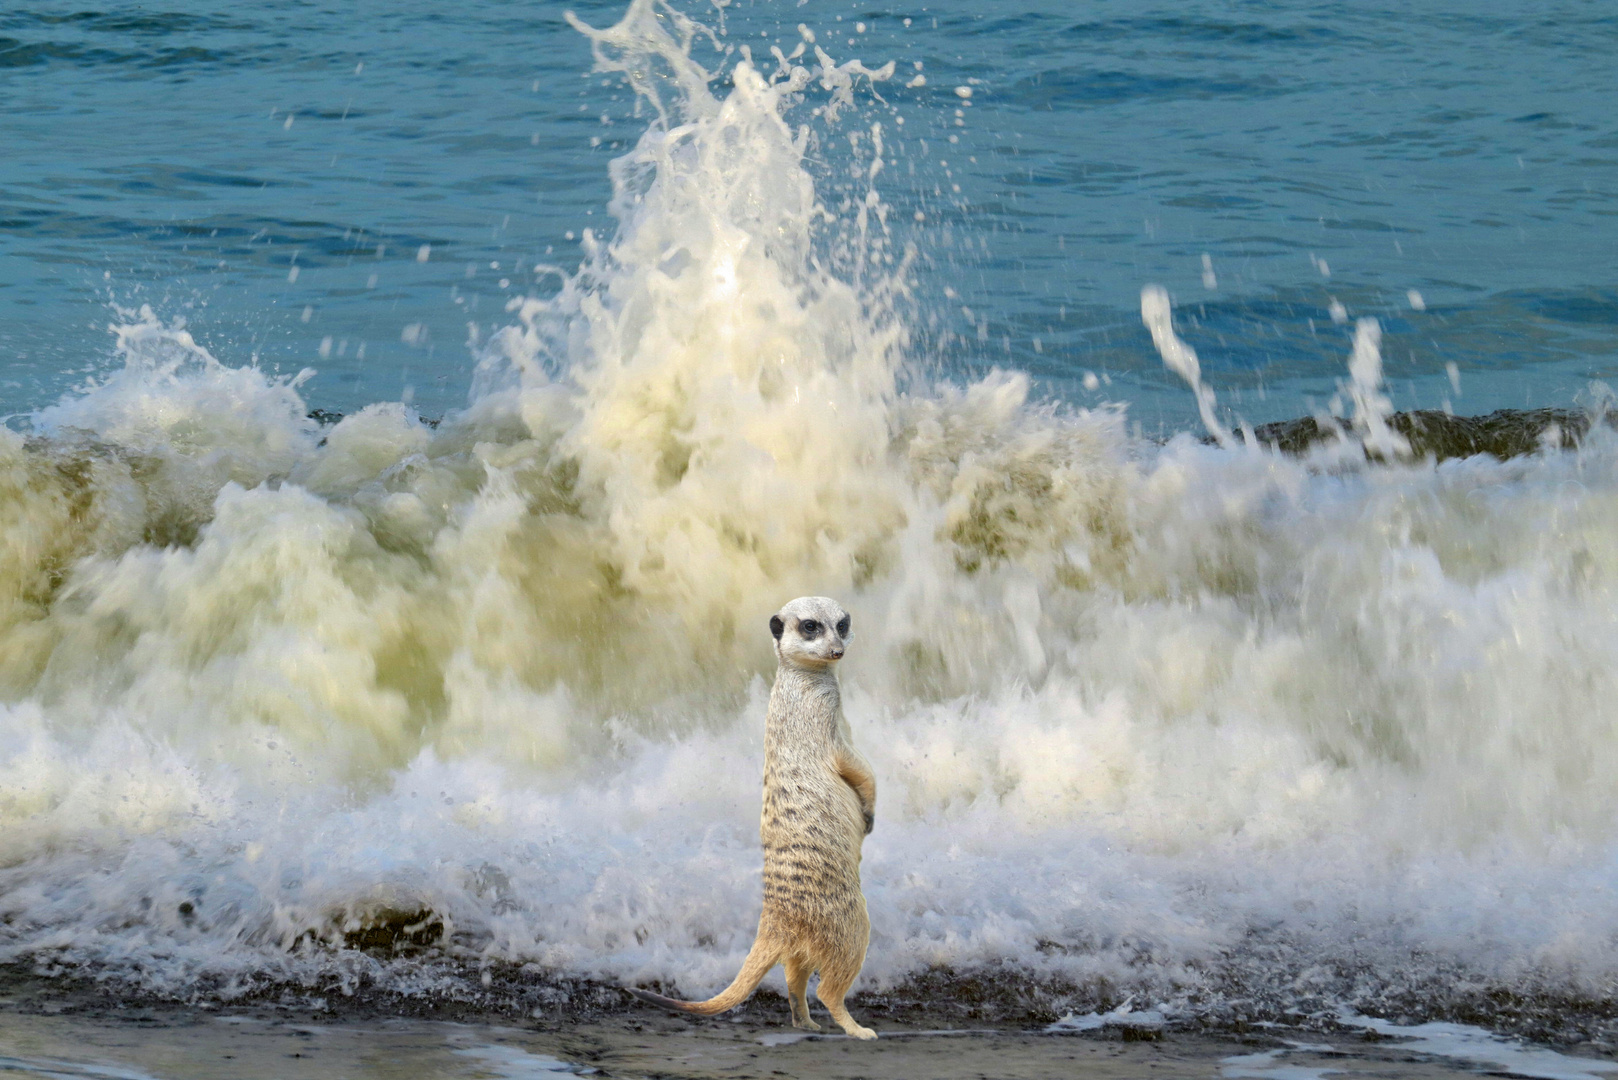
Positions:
{"x": 1504, "y": 433}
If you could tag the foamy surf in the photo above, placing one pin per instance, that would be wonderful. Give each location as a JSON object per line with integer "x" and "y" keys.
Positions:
{"x": 387, "y": 704}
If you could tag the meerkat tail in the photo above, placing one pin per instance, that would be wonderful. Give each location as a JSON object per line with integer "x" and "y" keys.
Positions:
{"x": 760, "y": 959}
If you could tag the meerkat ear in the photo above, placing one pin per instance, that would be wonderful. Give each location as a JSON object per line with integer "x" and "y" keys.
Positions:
{"x": 777, "y": 627}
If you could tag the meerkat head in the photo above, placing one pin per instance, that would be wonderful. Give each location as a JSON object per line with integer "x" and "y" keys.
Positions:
{"x": 811, "y": 631}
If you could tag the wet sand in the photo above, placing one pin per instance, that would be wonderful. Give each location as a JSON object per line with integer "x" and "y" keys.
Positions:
{"x": 68, "y": 1038}
{"x": 208, "y": 1046}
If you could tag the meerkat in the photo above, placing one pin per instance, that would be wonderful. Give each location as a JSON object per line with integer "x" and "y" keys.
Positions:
{"x": 819, "y": 805}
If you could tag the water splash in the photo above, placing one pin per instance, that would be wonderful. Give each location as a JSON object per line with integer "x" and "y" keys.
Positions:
{"x": 1199, "y": 721}
{"x": 1157, "y": 313}
{"x": 1371, "y": 406}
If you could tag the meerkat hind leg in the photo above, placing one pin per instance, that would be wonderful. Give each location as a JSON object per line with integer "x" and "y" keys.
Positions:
{"x": 833, "y": 985}
{"x": 798, "y": 994}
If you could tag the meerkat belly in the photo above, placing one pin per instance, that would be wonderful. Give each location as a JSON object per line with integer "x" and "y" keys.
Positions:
{"x": 811, "y": 832}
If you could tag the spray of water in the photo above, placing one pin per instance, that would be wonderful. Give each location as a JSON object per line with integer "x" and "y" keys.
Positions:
{"x": 1198, "y": 721}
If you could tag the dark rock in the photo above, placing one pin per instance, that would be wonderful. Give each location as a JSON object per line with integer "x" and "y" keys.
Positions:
{"x": 1505, "y": 433}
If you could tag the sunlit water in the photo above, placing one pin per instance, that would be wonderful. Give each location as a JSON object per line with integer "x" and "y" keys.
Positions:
{"x": 1182, "y": 719}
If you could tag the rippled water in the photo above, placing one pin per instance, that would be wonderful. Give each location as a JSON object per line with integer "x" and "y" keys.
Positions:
{"x": 193, "y": 158}
{"x": 347, "y": 704}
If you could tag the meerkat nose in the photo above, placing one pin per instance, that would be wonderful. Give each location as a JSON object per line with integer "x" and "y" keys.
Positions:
{"x": 837, "y": 654}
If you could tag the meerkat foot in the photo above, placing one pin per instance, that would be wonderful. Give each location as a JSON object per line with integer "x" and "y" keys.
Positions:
{"x": 831, "y": 996}
{"x": 805, "y": 1023}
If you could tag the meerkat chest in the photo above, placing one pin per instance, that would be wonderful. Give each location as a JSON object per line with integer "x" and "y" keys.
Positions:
{"x": 806, "y": 799}
{"x": 809, "y": 804}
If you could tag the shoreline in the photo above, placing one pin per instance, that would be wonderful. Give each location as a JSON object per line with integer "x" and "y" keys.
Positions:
{"x": 935, "y": 1001}
{"x": 122, "y": 1041}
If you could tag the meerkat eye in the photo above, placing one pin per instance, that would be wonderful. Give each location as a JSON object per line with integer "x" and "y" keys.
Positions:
{"x": 808, "y": 628}
{"x": 842, "y": 626}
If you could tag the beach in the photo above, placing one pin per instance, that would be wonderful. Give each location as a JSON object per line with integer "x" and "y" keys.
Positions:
{"x": 90, "y": 1035}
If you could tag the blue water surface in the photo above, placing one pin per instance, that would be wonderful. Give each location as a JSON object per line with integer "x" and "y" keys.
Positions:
{"x": 354, "y": 187}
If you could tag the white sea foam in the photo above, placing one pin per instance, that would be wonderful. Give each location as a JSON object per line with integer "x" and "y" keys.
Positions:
{"x": 1471, "y": 1046}
{"x": 1474, "y": 1046}
{"x": 1124, "y": 1016}
{"x": 1172, "y": 718}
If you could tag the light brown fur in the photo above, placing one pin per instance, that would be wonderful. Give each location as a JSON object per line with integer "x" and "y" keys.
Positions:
{"x": 819, "y": 804}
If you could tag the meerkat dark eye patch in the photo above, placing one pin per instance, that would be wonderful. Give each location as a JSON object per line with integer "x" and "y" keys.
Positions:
{"x": 777, "y": 627}
{"x": 842, "y": 626}
{"x": 809, "y": 628}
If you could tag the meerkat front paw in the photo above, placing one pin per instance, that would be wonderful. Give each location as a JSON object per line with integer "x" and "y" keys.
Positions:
{"x": 857, "y": 1032}
{"x": 806, "y": 1023}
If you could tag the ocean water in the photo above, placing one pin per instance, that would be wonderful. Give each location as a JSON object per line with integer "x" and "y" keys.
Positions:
{"x": 701, "y": 323}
